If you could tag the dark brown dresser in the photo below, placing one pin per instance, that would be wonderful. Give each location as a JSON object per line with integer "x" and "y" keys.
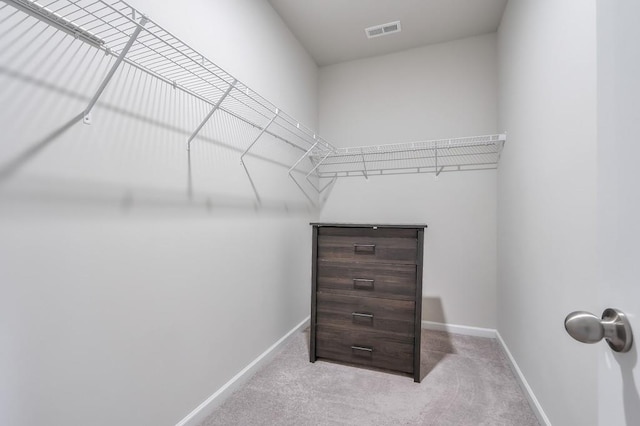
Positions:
{"x": 366, "y": 297}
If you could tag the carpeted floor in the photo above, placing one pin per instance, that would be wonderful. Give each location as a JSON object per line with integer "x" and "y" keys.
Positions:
{"x": 467, "y": 382}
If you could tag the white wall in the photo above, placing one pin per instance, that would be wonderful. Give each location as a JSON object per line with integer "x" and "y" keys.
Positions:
{"x": 124, "y": 302}
{"x": 546, "y": 199}
{"x": 437, "y": 91}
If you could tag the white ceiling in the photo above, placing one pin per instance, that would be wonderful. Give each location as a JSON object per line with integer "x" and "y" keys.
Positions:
{"x": 332, "y": 31}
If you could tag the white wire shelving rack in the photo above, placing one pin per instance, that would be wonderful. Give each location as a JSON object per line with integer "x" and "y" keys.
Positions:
{"x": 118, "y": 29}
{"x": 433, "y": 156}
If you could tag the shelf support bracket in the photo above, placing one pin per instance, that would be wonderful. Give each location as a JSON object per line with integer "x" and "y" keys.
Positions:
{"x": 208, "y": 117}
{"x": 320, "y": 189}
{"x": 86, "y": 118}
{"x": 292, "y": 168}
{"x": 253, "y": 185}
{"x": 318, "y": 164}
{"x": 306, "y": 154}
{"x": 315, "y": 167}
{"x": 264, "y": 129}
{"x": 364, "y": 165}
{"x": 436, "y": 156}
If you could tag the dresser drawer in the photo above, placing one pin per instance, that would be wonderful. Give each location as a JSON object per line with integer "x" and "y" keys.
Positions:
{"x": 375, "y": 349}
{"x": 368, "y": 231}
{"x": 368, "y": 245}
{"x": 375, "y": 280}
{"x": 366, "y": 313}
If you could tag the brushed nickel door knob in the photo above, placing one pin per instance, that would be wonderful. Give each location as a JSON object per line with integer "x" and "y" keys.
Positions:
{"x": 614, "y": 327}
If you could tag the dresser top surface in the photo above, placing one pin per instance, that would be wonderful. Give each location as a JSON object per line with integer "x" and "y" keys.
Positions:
{"x": 369, "y": 225}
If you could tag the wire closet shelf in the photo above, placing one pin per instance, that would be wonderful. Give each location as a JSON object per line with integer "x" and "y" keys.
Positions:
{"x": 120, "y": 30}
{"x": 433, "y": 156}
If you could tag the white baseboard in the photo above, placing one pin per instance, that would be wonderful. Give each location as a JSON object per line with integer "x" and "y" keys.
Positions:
{"x": 460, "y": 329}
{"x": 207, "y": 407}
{"x": 533, "y": 401}
{"x": 494, "y": 334}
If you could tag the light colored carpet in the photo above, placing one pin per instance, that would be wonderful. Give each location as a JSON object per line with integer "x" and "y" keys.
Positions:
{"x": 467, "y": 382}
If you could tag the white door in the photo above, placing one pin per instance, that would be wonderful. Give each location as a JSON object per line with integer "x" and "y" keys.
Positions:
{"x": 619, "y": 201}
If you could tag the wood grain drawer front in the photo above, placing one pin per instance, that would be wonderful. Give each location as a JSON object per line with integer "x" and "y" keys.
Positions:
{"x": 376, "y": 349}
{"x": 375, "y": 280}
{"x": 366, "y": 313}
{"x": 374, "y": 232}
{"x": 368, "y": 245}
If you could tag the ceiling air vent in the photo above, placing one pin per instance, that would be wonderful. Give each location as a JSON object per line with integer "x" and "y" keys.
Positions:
{"x": 384, "y": 29}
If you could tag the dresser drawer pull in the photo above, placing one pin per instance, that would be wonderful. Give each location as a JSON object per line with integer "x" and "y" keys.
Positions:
{"x": 358, "y": 314}
{"x": 363, "y": 283}
{"x": 362, "y": 348}
{"x": 364, "y": 248}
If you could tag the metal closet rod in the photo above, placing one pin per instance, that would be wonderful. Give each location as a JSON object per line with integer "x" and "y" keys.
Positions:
{"x": 175, "y": 66}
